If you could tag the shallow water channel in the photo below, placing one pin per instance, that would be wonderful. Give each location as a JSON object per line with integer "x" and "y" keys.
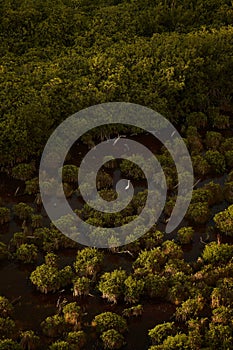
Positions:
{"x": 33, "y": 307}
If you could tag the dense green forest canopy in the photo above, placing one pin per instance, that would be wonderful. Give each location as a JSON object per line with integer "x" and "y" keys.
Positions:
{"x": 58, "y": 57}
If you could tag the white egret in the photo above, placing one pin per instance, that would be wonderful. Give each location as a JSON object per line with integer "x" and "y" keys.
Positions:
{"x": 127, "y": 186}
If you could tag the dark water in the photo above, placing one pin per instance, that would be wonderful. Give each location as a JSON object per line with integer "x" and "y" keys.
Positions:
{"x": 138, "y": 329}
{"x": 34, "y": 307}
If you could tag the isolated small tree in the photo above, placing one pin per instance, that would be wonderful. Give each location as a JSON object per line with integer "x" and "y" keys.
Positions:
{"x": 149, "y": 261}
{"x": 109, "y": 320}
{"x": 27, "y": 253}
{"x": 152, "y": 239}
{"x": 133, "y": 311}
{"x": 198, "y": 213}
{"x": 172, "y": 250}
{"x": 51, "y": 260}
{"x": 217, "y": 162}
{"x": 81, "y": 286}
{"x": 228, "y": 191}
{"x": 23, "y": 210}
{"x": 160, "y": 332}
{"x": 112, "y": 339}
{"x": 185, "y": 235}
{"x": 32, "y": 186}
{"x": 224, "y": 220}
{"x": 72, "y": 314}
{"x": 213, "y": 140}
{"x": 219, "y": 336}
{"x": 7, "y": 328}
{"x": 221, "y": 121}
{"x": 88, "y": 262}
{"x": 200, "y": 165}
{"x": 54, "y": 326}
{"x": 222, "y": 314}
{"x": 229, "y": 159}
{"x": 77, "y": 340}
{"x": 29, "y": 341}
{"x": 178, "y": 341}
{"x": 48, "y": 278}
{"x": 197, "y": 119}
{"x": 133, "y": 289}
{"x": 4, "y": 215}
{"x": 6, "y": 309}
{"x": 60, "y": 345}
{"x": 179, "y": 288}
{"x": 9, "y": 344}
{"x": 37, "y": 220}
{"x": 214, "y": 253}
{"x": 215, "y": 193}
{"x": 227, "y": 145}
{"x": 190, "y": 308}
{"x": 156, "y": 286}
{"x": 23, "y": 171}
{"x": 111, "y": 285}
{"x": 3, "y": 251}
{"x": 70, "y": 173}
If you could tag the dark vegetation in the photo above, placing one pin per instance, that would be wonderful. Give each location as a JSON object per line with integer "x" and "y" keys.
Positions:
{"x": 175, "y": 57}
